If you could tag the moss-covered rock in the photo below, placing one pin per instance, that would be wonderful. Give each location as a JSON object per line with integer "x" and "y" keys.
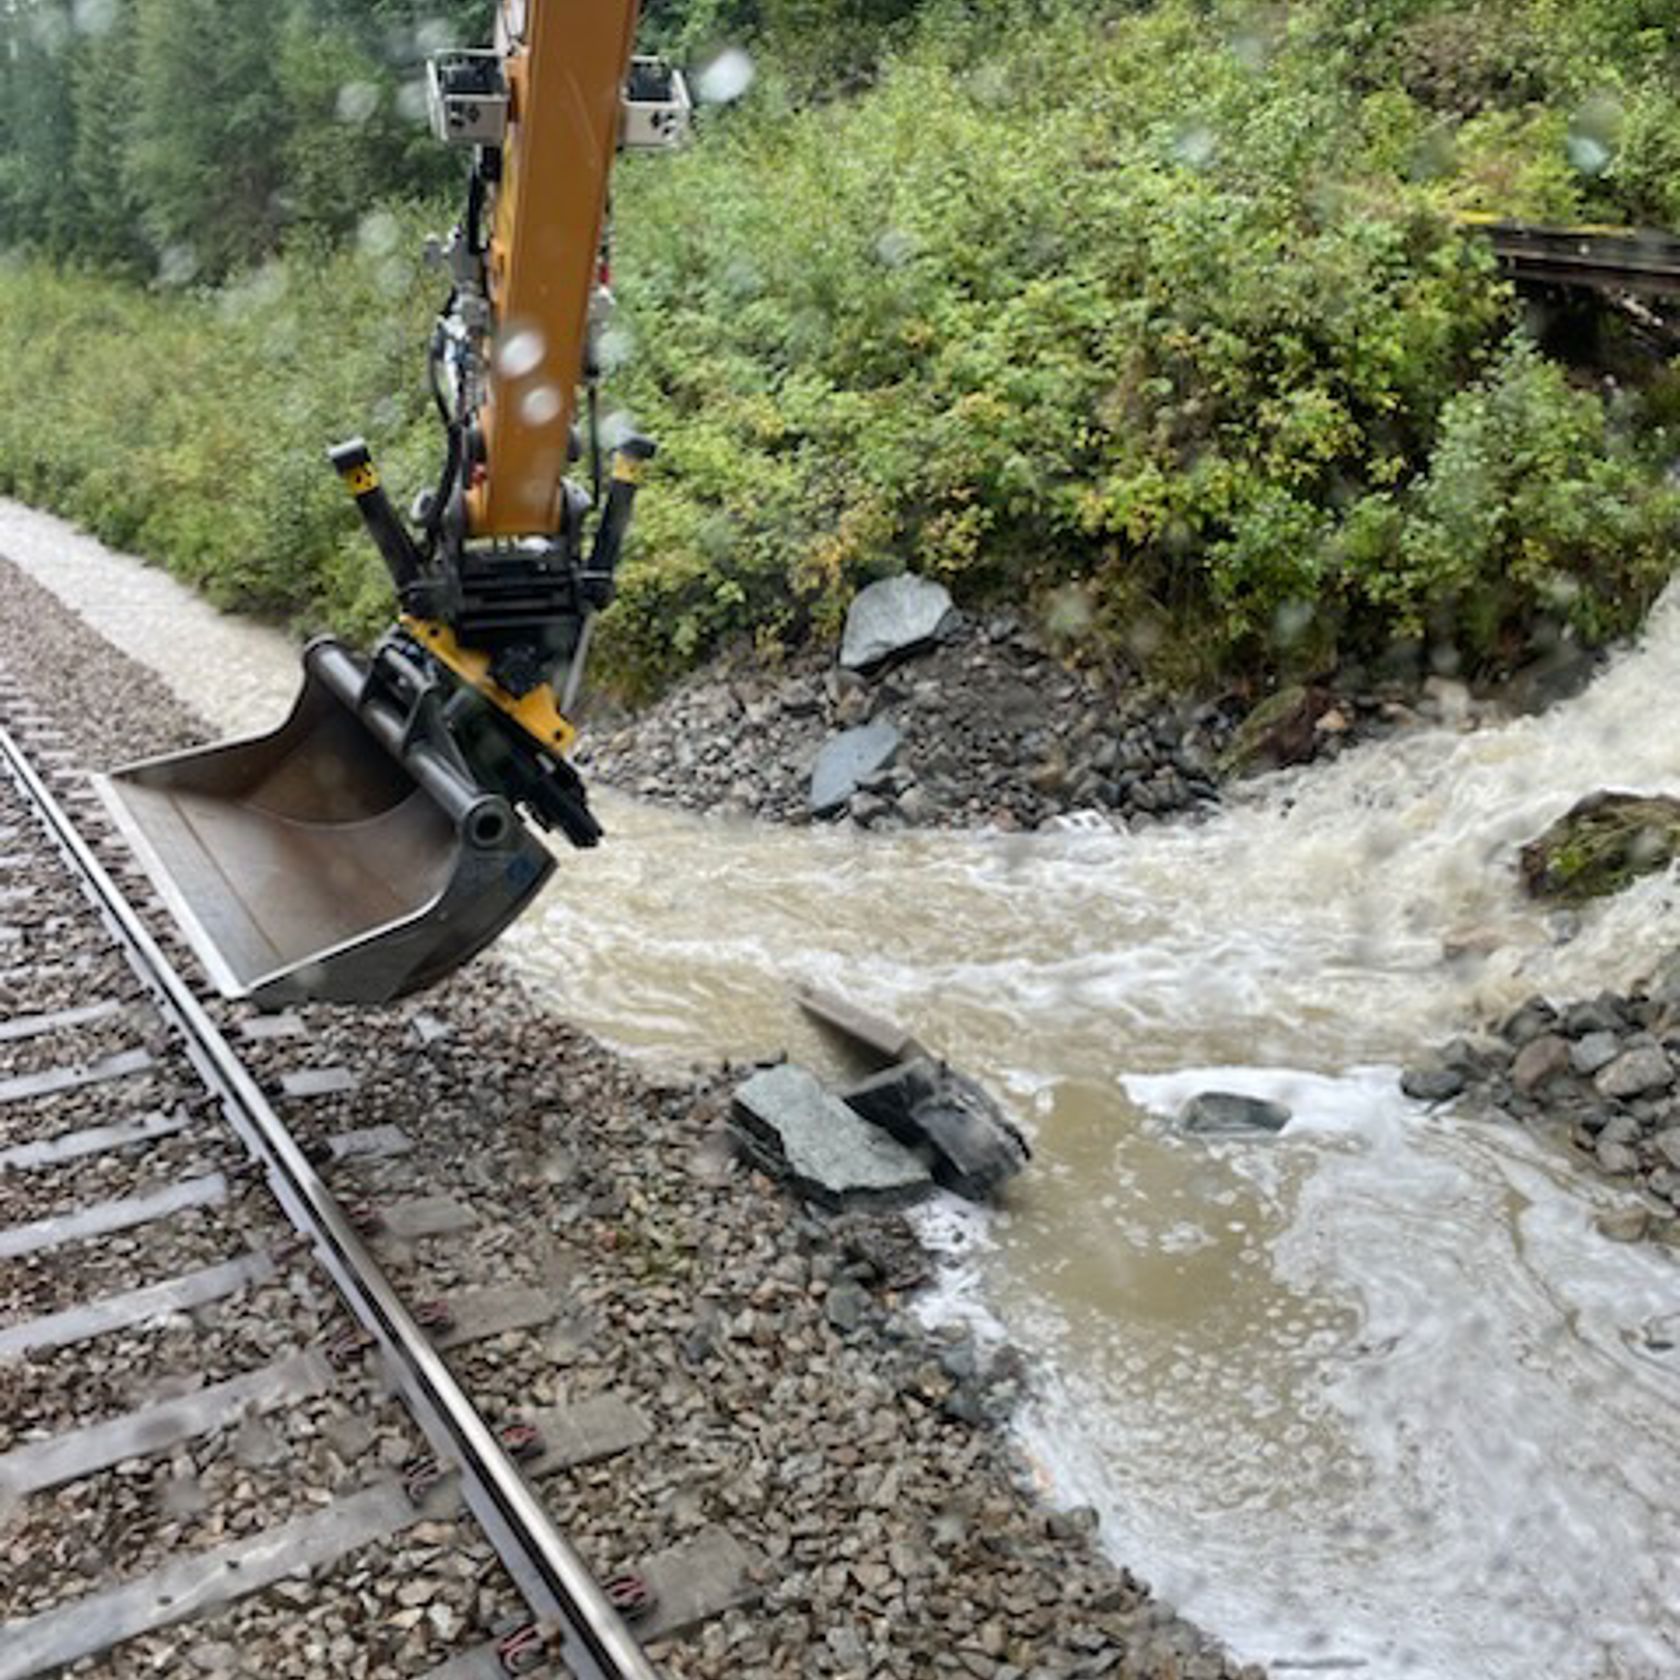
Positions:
{"x": 1280, "y": 731}
{"x": 1601, "y": 845}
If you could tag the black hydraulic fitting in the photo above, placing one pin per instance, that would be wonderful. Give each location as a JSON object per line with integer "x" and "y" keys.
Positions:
{"x": 353, "y": 462}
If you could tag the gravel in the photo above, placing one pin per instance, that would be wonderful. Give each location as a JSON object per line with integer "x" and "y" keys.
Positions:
{"x": 864, "y": 1462}
{"x": 1597, "y": 1076}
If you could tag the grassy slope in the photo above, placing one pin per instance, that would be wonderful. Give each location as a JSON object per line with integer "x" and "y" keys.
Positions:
{"x": 1158, "y": 322}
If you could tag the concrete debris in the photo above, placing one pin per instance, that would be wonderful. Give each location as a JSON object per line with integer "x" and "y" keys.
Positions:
{"x": 880, "y": 1040}
{"x": 795, "y": 1130}
{"x": 972, "y": 1147}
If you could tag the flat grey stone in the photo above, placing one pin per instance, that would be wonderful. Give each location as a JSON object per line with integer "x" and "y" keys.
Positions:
{"x": 1226, "y": 1114}
{"x": 895, "y": 616}
{"x": 797, "y": 1131}
{"x": 849, "y": 760}
{"x": 1636, "y": 1072}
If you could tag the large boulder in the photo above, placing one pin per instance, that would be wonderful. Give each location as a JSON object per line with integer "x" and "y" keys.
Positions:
{"x": 944, "y": 1115}
{"x": 848, "y": 761}
{"x": 792, "y": 1128}
{"x": 1601, "y": 845}
{"x": 897, "y": 616}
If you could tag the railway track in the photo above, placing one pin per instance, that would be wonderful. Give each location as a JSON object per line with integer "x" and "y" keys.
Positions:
{"x": 224, "y": 1420}
{"x": 1617, "y": 261}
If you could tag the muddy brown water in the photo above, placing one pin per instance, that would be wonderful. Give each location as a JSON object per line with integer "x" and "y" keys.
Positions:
{"x": 1370, "y": 1399}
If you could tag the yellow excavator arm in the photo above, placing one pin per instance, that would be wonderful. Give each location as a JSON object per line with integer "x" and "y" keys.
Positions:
{"x": 380, "y": 837}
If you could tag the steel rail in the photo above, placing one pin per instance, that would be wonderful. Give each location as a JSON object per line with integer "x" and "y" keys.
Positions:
{"x": 582, "y": 1628}
{"x": 1598, "y": 259}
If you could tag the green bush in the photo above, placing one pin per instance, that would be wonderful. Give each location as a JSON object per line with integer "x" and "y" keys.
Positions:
{"x": 1156, "y": 318}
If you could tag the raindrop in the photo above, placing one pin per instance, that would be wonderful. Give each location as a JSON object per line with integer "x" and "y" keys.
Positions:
{"x": 95, "y": 17}
{"x": 542, "y": 405}
{"x": 726, "y": 78}
{"x": 379, "y": 233}
{"x": 357, "y": 102}
{"x": 614, "y": 348}
{"x": 1251, "y": 49}
{"x": 1196, "y": 146}
{"x": 617, "y": 429}
{"x": 177, "y": 266}
{"x": 895, "y": 247}
{"x": 1594, "y": 134}
{"x": 1069, "y": 612}
{"x": 434, "y": 35}
{"x": 394, "y": 276}
{"x": 521, "y": 353}
{"x": 50, "y": 30}
{"x": 1291, "y": 620}
{"x": 411, "y": 102}
{"x": 1590, "y": 156}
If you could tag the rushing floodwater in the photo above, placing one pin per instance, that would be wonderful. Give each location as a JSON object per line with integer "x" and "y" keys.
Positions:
{"x": 1372, "y": 1398}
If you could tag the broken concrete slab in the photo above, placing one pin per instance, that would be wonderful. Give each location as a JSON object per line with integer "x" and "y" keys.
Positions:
{"x": 876, "y": 1038}
{"x": 797, "y": 1131}
{"x": 847, "y": 761}
{"x": 928, "y": 1107}
{"x": 897, "y": 616}
{"x": 1228, "y": 1114}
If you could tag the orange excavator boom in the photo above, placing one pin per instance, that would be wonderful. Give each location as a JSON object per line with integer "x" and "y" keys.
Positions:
{"x": 383, "y": 834}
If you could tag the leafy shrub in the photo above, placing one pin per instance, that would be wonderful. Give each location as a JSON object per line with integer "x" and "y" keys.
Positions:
{"x": 1158, "y": 318}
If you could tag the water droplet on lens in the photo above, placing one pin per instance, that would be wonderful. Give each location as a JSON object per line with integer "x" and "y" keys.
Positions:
{"x": 379, "y": 233}
{"x": 726, "y": 78}
{"x": 94, "y": 17}
{"x": 177, "y": 266}
{"x": 520, "y": 353}
{"x": 542, "y": 406}
{"x": 357, "y": 102}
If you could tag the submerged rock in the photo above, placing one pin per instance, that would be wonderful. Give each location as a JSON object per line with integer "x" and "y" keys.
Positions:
{"x": 847, "y": 762}
{"x": 928, "y": 1106}
{"x": 1227, "y": 1114}
{"x": 1602, "y": 845}
{"x": 796, "y": 1131}
{"x": 894, "y": 617}
{"x": 1432, "y": 1084}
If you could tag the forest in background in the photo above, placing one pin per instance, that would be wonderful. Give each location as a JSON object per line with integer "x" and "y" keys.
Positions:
{"x": 1153, "y": 318}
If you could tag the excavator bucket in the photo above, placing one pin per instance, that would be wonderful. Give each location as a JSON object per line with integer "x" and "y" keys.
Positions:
{"x": 348, "y": 857}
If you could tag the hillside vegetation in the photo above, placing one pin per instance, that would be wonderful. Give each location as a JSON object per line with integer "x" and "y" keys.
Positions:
{"x": 1154, "y": 319}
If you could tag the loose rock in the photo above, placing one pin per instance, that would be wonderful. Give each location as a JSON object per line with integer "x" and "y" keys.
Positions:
{"x": 847, "y": 762}
{"x": 1227, "y": 1114}
{"x": 894, "y": 617}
